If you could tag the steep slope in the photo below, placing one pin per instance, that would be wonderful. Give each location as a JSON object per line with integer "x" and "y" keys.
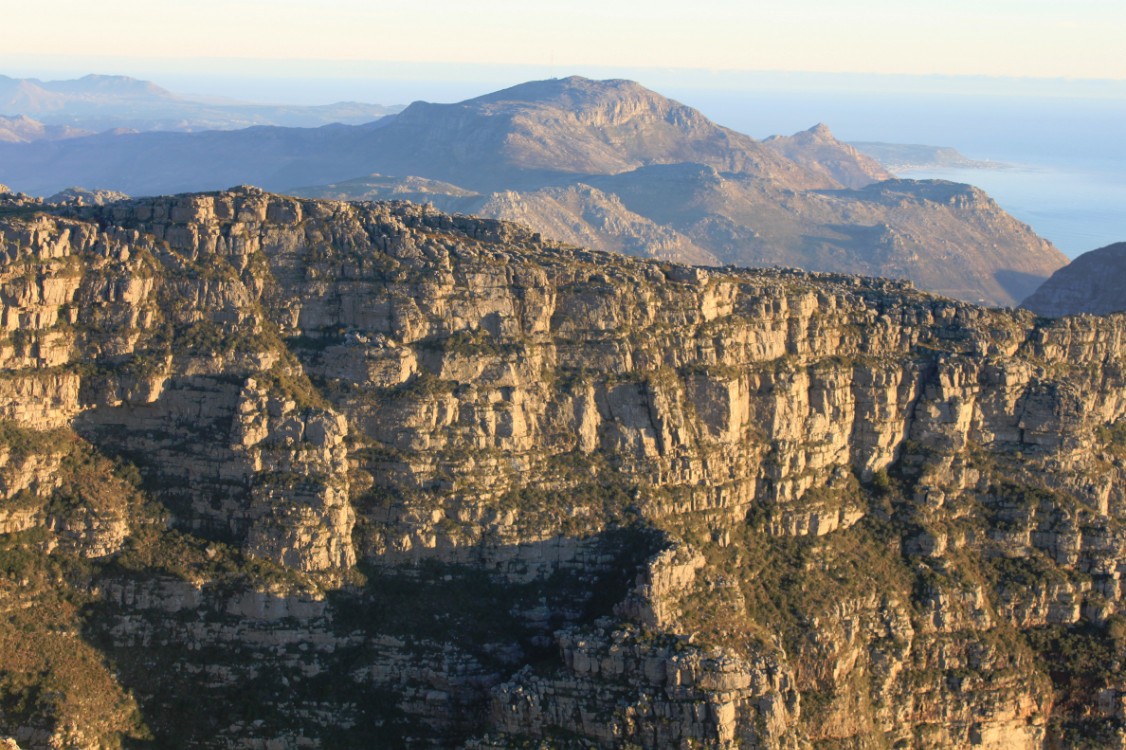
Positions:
{"x": 1093, "y": 283}
{"x": 283, "y": 472}
{"x": 818, "y": 150}
{"x": 576, "y": 214}
{"x": 946, "y": 238}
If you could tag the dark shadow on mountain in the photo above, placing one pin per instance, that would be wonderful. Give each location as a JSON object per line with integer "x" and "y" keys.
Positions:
{"x": 366, "y": 665}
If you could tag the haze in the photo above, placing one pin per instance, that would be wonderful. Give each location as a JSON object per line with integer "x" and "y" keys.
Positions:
{"x": 1037, "y": 38}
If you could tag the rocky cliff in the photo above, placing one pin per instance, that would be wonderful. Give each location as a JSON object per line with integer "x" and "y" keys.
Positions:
{"x": 291, "y": 473}
{"x": 1093, "y": 283}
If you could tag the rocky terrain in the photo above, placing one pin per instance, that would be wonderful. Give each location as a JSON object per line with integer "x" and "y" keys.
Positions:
{"x": 1094, "y": 283}
{"x": 608, "y": 165}
{"x": 282, "y": 473}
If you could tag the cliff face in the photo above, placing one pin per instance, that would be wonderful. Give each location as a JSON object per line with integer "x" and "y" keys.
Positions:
{"x": 292, "y": 473}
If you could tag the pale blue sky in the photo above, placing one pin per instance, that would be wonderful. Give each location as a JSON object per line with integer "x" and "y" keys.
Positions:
{"x": 1038, "y": 38}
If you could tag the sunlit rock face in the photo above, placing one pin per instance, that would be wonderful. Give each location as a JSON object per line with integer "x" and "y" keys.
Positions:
{"x": 296, "y": 473}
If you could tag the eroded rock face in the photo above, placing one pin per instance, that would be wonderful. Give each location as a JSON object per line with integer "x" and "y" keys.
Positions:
{"x": 387, "y": 476}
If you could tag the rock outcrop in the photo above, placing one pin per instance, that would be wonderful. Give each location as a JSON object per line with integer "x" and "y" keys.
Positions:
{"x": 1094, "y": 283}
{"x": 296, "y": 473}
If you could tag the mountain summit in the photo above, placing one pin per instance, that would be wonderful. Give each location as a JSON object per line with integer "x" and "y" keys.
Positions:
{"x": 819, "y": 151}
{"x": 546, "y": 131}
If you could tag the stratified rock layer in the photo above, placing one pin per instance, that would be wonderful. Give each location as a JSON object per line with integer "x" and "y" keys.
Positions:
{"x": 316, "y": 474}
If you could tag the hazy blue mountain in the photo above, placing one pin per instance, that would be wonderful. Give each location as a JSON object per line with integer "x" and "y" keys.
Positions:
{"x": 901, "y": 156}
{"x": 99, "y": 102}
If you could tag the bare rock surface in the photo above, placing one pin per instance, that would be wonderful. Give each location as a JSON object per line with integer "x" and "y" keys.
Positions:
{"x": 281, "y": 472}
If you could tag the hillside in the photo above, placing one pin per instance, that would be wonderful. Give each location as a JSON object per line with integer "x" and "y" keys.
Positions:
{"x": 295, "y": 473}
{"x": 1093, "y": 283}
{"x": 606, "y": 164}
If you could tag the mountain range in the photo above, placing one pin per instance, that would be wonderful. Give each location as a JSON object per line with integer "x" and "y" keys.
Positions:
{"x": 97, "y": 103}
{"x": 606, "y": 164}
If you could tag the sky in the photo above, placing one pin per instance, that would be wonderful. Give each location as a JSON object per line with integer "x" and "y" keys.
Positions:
{"x": 1025, "y": 38}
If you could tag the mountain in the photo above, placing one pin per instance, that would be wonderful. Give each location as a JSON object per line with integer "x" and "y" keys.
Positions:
{"x": 548, "y": 131}
{"x": 98, "y": 103}
{"x": 607, "y": 164}
{"x": 898, "y": 157}
{"x": 1093, "y": 283}
{"x": 818, "y": 150}
{"x": 23, "y": 129}
{"x": 295, "y": 473}
{"x": 576, "y": 214}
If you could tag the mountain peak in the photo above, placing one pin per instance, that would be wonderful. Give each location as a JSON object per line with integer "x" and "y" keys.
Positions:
{"x": 818, "y": 150}
{"x": 572, "y": 88}
{"x": 821, "y": 130}
{"x": 567, "y": 126}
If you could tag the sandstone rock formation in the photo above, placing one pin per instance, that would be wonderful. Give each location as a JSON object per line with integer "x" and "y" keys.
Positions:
{"x": 1093, "y": 283}
{"x": 295, "y": 473}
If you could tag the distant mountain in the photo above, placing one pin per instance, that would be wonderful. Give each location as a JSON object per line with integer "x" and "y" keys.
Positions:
{"x": 818, "y": 150}
{"x": 606, "y": 164}
{"x": 78, "y": 196}
{"x": 98, "y": 102}
{"x": 546, "y": 131}
{"x": 898, "y": 157}
{"x": 22, "y": 129}
{"x": 1093, "y": 283}
{"x": 577, "y": 214}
